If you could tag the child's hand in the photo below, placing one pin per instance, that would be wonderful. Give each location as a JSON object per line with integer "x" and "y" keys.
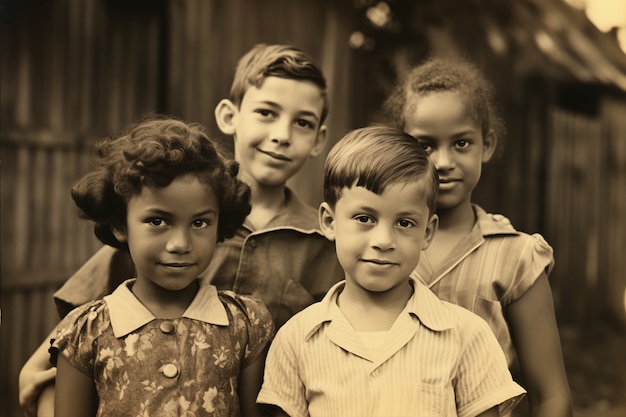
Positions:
{"x": 30, "y": 392}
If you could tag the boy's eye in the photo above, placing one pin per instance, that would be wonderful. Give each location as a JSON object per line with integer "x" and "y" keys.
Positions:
{"x": 405, "y": 223}
{"x": 362, "y": 218}
{"x": 265, "y": 112}
{"x": 305, "y": 123}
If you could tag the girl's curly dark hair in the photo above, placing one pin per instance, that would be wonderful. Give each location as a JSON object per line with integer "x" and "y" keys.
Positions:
{"x": 154, "y": 152}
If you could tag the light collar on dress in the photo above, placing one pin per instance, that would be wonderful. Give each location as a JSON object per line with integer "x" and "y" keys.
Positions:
{"x": 128, "y": 314}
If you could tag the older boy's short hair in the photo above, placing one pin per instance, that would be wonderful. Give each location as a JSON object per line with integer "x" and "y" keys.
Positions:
{"x": 282, "y": 61}
{"x": 375, "y": 157}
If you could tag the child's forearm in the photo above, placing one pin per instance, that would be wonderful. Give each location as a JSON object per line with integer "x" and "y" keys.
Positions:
{"x": 45, "y": 404}
{"x": 36, "y": 377}
{"x": 551, "y": 407}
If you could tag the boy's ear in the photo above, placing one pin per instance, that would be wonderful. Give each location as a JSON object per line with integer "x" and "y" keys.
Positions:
{"x": 431, "y": 229}
{"x": 225, "y": 114}
{"x": 320, "y": 141}
{"x": 120, "y": 234}
{"x": 490, "y": 143}
{"x": 327, "y": 221}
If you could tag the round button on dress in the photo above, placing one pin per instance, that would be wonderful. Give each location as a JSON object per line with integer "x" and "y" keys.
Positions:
{"x": 169, "y": 371}
{"x": 167, "y": 327}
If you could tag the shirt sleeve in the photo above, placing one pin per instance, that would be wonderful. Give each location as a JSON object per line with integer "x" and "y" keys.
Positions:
{"x": 258, "y": 324}
{"x": 282, "y": 383}
{"x": 75, "y": 336}
{"x": 483, "y": 379}
{"x": 97, "y": 277}
{"x": 534, "y": 259}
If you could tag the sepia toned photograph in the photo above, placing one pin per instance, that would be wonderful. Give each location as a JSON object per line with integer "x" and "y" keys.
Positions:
{"x": 313, "y": 208}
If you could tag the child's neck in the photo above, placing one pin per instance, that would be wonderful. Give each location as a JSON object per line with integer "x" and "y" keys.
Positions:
{"x": 266, "y": 203}
{"x": 460, "y": 218}
{"x": 372, "y": 311}
{"x": 454, "y": 225}
{"x": 163, "y": 303}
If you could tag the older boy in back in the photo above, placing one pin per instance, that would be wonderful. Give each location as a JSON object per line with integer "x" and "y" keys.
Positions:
{"x": 276, "y": 115}
{"x": 380, "y": 343}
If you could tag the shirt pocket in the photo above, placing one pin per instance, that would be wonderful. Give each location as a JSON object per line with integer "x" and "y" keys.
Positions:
{"x": 434, "y": 400}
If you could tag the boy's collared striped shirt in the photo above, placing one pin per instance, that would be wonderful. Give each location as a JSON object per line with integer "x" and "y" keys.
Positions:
{"x": 439, "y": 360}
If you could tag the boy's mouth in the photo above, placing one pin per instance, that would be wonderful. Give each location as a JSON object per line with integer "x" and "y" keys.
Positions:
{"x": 378, "y": 261}
{"x": 278, "y": 156}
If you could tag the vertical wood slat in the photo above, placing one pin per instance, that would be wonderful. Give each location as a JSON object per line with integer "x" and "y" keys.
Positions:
{"x": 573, "y": 213}
{"x": 614, "y": 280}
{"x": 21, "y": 208}
{"x": 28, "y": 314}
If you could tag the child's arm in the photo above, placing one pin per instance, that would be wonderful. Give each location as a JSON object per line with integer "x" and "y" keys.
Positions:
{"x": 75, "y": 393}
{"x": 36, "y": 383}
{"x": 536, "y": 337}
{"x": 250, "y": 380}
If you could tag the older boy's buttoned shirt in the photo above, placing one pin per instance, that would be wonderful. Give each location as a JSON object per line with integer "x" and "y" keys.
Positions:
{"x": 288, "y": 264}
{"x": 438, "y": 360}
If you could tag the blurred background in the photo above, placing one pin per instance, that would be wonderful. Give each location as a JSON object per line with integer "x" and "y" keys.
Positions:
{"x": 74, "y": 71}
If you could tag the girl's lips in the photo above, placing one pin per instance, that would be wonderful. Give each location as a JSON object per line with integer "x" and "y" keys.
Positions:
{"x": 446, "y": 184}
{"x": 176, "y": 264}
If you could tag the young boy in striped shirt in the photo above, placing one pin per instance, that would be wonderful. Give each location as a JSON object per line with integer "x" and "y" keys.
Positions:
{"x": 380, "y": 343}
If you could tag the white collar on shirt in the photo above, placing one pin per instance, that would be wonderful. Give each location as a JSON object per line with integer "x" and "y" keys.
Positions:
{"x": 128, "y": 313}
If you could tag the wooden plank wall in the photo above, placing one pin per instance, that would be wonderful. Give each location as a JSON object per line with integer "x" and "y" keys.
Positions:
{"x": 612, "y": 235}
{"x": 572, "y": 212}
{"x": 585, "y": 208}
{"x": 72, "y": 71}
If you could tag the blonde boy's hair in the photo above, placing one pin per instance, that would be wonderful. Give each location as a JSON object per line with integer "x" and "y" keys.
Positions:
{"x": 282, "y": 61}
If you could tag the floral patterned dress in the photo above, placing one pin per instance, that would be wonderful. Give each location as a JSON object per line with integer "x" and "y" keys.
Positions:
{"x": 144, "y": 366}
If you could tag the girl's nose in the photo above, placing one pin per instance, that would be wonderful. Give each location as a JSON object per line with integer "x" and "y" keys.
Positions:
{"x": 179, "y": 241}
{"x": 443, "y": 159}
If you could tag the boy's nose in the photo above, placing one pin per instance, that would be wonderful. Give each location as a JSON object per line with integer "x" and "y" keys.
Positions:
{"x": 281, "y": 134}
{"x": 179, "y": 241}
{"x": 382, "y": 238}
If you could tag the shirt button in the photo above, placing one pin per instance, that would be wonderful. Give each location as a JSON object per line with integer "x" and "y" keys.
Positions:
{"x": 253, "y": 243}
{"x": 169, "y": 370}
{"x": 167, "y": 327}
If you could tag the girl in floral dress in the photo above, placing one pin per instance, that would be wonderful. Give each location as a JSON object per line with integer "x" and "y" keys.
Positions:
{"x": 164, "y": 343}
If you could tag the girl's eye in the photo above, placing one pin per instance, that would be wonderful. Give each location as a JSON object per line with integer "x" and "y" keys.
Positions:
{"x": 426, "y": 147}
{"x": 463, "y": 143}
{"x": 362, "y": 218}
{"x": 406, "y": 223}
{"x": 201, "y": 223}
{"x": 157, "y": 222}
